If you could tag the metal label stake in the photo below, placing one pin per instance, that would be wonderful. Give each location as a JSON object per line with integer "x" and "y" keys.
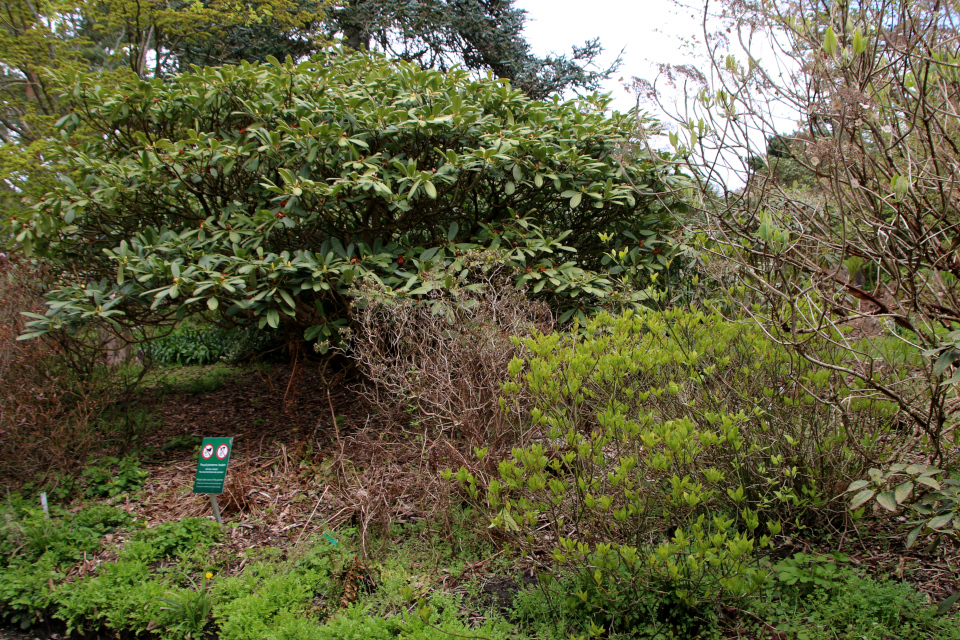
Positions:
{"x": 216, "y": 509}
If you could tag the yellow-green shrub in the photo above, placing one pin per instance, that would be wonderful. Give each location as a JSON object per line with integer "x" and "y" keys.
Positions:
{"x": 667, "y": 446}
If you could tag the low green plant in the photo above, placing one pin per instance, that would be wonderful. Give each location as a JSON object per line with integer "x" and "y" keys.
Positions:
{"x": 130, "y": 596}
{"x": 194, "y": 379}
{"x": 577, "y": 607}
{"x": 850, "y": 607}
{"x": 61, "y": 537}
{"x": 933, "y": 503}
{"x": 109, "y": 476}
{"x": 248, "y": 606}
{"x": 38, "y": 550}
{"x": 172, "y": 539}
{"x": 25, "y": 593}
{"x": 200, "y": 343}
{"x": 356, "y": 623}
{"x": 663, "y": 449}
{"x": 438, "y": 619}
{"x": 807, "y": 572}
{"x": 101, "y": 518}
{"x": 192, "y": 607}
{"x": 58, "y": 485}
{"x": 124, "y": 596}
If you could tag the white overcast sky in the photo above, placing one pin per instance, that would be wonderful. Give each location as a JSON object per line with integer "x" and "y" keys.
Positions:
{"x": 649, "y": 31}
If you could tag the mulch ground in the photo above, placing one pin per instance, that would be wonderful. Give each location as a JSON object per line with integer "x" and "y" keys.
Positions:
{"x": 259, "y": 408}
{"x": 306, "y": 457}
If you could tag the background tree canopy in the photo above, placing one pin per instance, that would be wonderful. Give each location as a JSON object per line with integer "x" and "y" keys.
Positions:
{"x": 263, "y": 191}
{"x": 483, "y": 35}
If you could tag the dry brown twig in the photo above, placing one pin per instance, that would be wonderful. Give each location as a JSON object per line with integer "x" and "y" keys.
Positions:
{"x": 435, "y": 367}
{"x": 446, "y": 355}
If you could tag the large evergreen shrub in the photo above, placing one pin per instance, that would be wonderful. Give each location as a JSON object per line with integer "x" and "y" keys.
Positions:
{"x": 262, "y": 191}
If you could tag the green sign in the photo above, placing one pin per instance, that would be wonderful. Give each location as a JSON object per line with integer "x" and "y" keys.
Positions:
{"x": 212, "y": 466}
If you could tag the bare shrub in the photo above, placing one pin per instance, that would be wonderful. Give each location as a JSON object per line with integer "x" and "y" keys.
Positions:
{"x": 380, "y": 475}
{"x": 446, "y": 354}
{"x": 52, "y": 389}
{"x": 31, "y": 400}
{"x": 443, "y": 357}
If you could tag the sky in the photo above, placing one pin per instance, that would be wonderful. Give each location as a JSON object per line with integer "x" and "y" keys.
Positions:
{"x": 648, "y": 31}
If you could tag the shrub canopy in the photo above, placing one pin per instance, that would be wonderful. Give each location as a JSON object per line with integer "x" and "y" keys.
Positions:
{"x": 262, "y": 191}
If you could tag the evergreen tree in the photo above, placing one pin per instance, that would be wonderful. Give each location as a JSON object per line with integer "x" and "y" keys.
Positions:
{"x": 481, "y": 35}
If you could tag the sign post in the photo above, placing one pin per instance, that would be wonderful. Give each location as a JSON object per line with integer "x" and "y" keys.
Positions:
{"x": 212, "y": 470}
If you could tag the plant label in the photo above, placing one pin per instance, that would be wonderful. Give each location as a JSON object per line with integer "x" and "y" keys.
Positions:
{"x": 212, "y": 465}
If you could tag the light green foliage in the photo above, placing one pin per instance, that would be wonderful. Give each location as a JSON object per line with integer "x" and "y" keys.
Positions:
{"x": 111, "y": 476}
{"x": 36, "y": 552}
{"x": 263, "y": 191}
{"x": 193, "y": 379}
{"x": 575, "y": 607}
{"x": 254, "y": 602}
{"x": 356, "y": 624}
{"x": 124, "y": 595}
{"x": 25, "y": 593}
{"x": 288, "y": 599}
{"x": 275, "y": 600}
{"x": 173, "y": 538}
{"x": 134, "y": 595}
{"x": 28, "y": 536}
{"x": 813, "y": 598}
{"x": 666, "y": 447}
{"x": 807, "y": 572}
{"x": 438, "y": 620}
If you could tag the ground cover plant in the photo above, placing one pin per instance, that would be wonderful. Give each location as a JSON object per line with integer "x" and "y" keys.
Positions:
{"x": 197, "y": 343}
{"x": 168, "y": 581}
